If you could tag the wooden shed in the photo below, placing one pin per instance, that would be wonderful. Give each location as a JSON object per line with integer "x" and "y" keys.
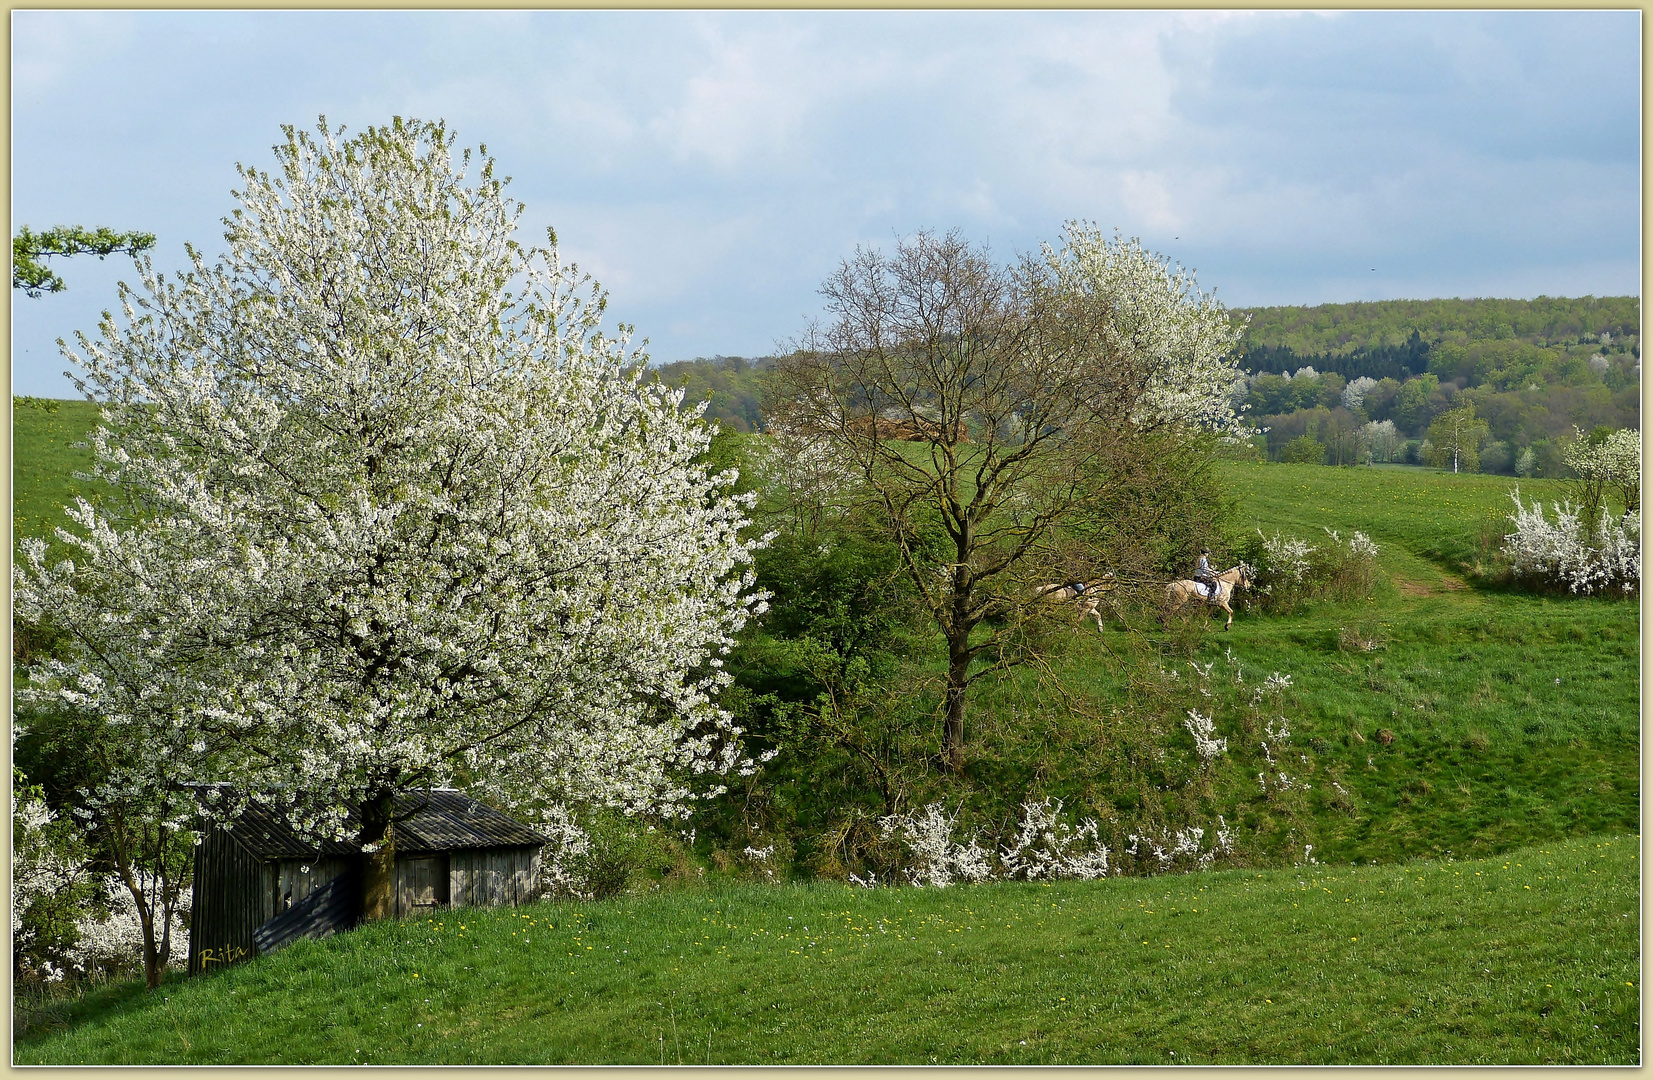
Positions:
{"x": 258, "y": 885}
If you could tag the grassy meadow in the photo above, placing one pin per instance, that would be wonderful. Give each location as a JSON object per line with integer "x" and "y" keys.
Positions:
{"x": 1529, "y": 958}
{"x": 1488, "y": 740}
{"x": 44, "y": 461}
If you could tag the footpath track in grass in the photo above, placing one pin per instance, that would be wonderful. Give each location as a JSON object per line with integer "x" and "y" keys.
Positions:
{"x": 1527, "y": 958}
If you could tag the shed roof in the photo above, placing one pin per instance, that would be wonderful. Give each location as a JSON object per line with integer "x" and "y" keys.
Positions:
{"x": 434, "y": 820}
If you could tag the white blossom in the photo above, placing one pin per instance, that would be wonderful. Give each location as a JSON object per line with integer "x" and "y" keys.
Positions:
{"x": 1046, "y": 848}
{"x": 1287, "y": 557}
{"x": 1166, "y": 847}
{"x": 115, "y": 940}
{"x": 933, "y": 858}
{"x": 1355, "y": 392}
{"x": 1183, "y": 337}
{"x": 1203, "y": 729}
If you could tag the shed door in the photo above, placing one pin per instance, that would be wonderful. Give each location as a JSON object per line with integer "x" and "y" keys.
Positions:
{"x": 421, "y": 884}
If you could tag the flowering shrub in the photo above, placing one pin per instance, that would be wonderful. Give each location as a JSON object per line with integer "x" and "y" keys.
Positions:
{"x": 932, "y": 857}
{"x": 48, "y": 882}
{"x": 1604, "y": 463}
{"x": 1563, "y": 555}
{"x": 1165, "y": 848}
{"x": 1047, "y": 848}
{"x": 1205, "y": 744}
{"x": 1292, "y": 571}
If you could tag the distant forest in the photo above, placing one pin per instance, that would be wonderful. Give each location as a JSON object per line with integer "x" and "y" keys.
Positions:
{"x": 1533, "y": 370}
{"x": 731, "y": 386}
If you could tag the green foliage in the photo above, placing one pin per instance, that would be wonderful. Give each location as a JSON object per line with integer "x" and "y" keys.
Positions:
{"x": 1411, "y": 402}
{"x": 624, "y": 852}
{"x": 1151, "y": 510}
{"x": 29, "y": 247}
{"x": 731, "y": 387}
{"x": 1303, "y": 450}
{"x": 1438, "y": 962}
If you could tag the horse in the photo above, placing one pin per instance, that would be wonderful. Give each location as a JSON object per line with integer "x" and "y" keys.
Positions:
{"x": 1178, "y": 593}
{"x": 1087, "y": 593}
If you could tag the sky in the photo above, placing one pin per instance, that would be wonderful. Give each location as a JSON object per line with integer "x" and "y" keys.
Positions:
{"x": 711, "y": 169}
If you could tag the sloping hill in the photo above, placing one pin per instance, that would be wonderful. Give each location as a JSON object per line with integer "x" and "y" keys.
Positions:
{"x": 1530, "y": 958}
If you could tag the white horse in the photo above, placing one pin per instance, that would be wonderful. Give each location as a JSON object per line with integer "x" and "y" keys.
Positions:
{"x": 1178, "y": 593}
{"x": 1087, "y": 593}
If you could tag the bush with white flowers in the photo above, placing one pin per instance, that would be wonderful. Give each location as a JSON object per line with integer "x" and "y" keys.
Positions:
{"x": 1292, "y": 571}
{"x": 933, "y": 858}
{"x": 1047, "y": 848}
{"x": 1564, "y": 554}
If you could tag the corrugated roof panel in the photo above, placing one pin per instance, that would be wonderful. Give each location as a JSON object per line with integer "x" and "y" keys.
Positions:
{"x": 438, "y": 820}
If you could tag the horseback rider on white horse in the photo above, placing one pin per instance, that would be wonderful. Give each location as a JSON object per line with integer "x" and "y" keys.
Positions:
{"x": 1205, "y": 575}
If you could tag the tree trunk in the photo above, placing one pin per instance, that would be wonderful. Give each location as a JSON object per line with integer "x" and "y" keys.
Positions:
{"x": 152, "y": 966}
{"x": 958, "y": 672}
{"x": 379, "y": 865}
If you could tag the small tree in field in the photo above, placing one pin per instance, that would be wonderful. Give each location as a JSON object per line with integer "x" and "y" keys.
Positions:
{"x": 1455, "y": 438}
{"x": 1305, "y": 449}
{"x": 1605, "y": 462}
{"x": 980, "y": 409}
{"x": 391, "y": 511}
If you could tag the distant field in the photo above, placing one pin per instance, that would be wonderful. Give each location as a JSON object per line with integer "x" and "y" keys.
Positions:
{"x": 44, "y": 461}
{"x": 1530, "y": 958}
{"x": 1424, "y": 520}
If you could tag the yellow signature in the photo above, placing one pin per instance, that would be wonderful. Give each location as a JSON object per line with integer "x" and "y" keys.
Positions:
{"x": 229, "y": 954}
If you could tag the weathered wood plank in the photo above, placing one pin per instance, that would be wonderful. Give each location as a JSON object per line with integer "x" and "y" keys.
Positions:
{"x": 459, "y": 879}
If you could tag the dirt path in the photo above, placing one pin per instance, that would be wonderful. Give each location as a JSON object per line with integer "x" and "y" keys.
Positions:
{"x": 1413, "y": 590}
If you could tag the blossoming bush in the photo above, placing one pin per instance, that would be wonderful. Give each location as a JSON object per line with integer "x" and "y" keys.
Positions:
{"x": 1041, "y": 847}
{"x": 1564, "y": 555}
{"x": 1293, "y": 572}
{"x": 50, "y": 885}
{"x": 931, "y": 856}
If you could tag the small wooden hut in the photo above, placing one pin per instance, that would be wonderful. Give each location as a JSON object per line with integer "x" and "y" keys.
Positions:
{"x": 259, "y": 886}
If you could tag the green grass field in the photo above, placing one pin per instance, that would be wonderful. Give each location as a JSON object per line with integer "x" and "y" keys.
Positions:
{"x": 1531, "y": 958}
{"x": 1517, "y": 717}
{"x": 44, "y": 461}
{"x": 1515, "y": 724}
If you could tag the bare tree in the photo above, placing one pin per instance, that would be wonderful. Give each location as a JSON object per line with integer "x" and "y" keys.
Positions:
{"x": 980, "y": 406}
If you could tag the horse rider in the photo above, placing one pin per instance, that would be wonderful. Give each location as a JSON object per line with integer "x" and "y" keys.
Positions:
{"x": 1204, "y": 574}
